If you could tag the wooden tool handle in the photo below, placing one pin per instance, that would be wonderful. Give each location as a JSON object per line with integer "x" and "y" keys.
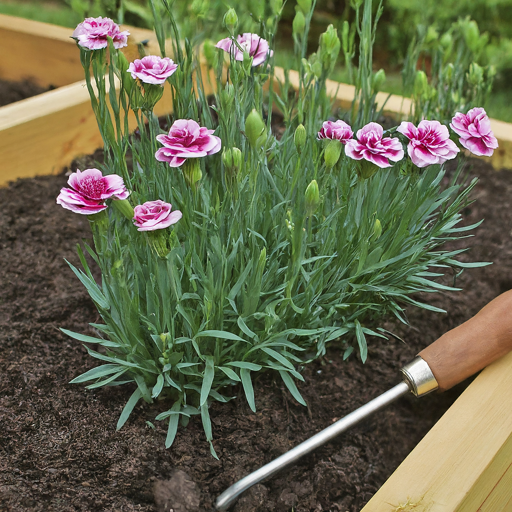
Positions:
{"x": 468, "y": 348}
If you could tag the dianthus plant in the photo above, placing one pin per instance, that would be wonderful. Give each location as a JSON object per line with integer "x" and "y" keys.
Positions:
{"x": 253, "y": 228}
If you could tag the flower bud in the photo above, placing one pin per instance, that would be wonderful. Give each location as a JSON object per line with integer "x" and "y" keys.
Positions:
{"x": 377, "y": 230}
{"x": 312, "y": 196}
{"x": 471, "y": 34}
{"x": 491, "y": 72}
{"x": 304, "y": 5}
{"x": 378, "y": 80}
{"x": 332, "y": 153}
{"x": 344, "y": 37}
{"x": 192, "y": 171}
{"x": 276, "y": 6}
{"x": 448, "y": 71}
{"x": 255, "y": 129}
{"x": 231, "y": 20}
{"x": 124, "y": 207}
{"x": 329, "y": 48}
{"x": 476, "y": 74}
{"x": 232, "y": 159}
{"x": 329, "y": 40}
{"x": 299, "y": 24}
{"x": 446, "y": 40}
{"x": 199, "y": 8}
{"x": 420, "y": 84}
{"x": 300, "y": 138}
{"x": 432, "y": 35}
{"x": 209, "y": 52}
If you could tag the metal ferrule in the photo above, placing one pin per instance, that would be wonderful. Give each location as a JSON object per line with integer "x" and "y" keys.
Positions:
{"x": 419, "y": 377}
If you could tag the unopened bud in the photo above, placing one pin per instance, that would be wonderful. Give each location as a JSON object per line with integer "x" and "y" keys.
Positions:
{"x": 377, "y": 229}
{"x": 231, "y": 20}
{"x": 255, "y": 129}
{"x": 476, "y": 74}
{"x": 446, "y": 40}
{"x": 332, "y": 153}
{"x": 199, "y": 8}
{"x": 192, "y": 171}
{"x": 299, "y": 24}
{"x": 312, "y": 196}
{"x": 449, "y": 69}
{"x": 432, "y": 35}
{"x": 209, "y": 52}
{"x": 329, "y": 40}
{"x": 378, "y": 80}
{"x": 304, "y": 5}
{"x": 276, "y": 6}
{"x": 300, "y": 138}
{"x": 471, "y": 34}
{"x": 420, "y": 84}
{"x": 124, "y": 207}
{"x": 491, "y": 72}
{"x": 232, "y": 159}
{"x": 344, "y": 37}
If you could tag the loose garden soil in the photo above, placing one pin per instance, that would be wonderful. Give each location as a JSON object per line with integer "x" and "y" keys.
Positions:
{"x": 11, "y": 92}
{"x": 59, "y": 450}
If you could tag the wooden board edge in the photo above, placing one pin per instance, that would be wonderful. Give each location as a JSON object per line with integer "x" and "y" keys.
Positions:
{"x": 459, "y": 463}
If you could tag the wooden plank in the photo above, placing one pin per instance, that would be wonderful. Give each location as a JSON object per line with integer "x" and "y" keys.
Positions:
{"x": 464, "y": 463}
{"x": 43, "y": 134}
{"x": 46, "y": 53}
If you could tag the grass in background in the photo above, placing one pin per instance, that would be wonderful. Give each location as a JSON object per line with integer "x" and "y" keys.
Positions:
{"x": 47, "y": 12}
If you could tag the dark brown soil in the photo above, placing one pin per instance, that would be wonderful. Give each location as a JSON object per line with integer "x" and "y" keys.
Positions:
{"x": 59, "y": 450}
{"x": 11, "y": 92}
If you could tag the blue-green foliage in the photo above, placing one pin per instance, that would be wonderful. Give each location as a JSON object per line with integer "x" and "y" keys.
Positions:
{"x": 250, "y": 278}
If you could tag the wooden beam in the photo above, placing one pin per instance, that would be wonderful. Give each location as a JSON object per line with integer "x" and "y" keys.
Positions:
{"x": 46, "y": 53}
{"x": 464, "y": 464}
{"x": 43, "y": 134}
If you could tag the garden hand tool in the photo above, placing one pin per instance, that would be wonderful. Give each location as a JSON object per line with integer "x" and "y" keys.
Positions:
{"x": 452, "y": 358}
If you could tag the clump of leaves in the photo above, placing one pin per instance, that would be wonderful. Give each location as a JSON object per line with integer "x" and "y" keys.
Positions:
{"x": 284, "y": 247}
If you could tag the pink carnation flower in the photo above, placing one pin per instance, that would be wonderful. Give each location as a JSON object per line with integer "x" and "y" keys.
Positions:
{"x": 152, "y": 69}
{"x": 89, "y": 190}
{"x": 429, "y": 143}
{"x": 253, "y": 44}
{"x": 338, "y": 130}
{"x": 186, "y": 139}
{"x": 92, "y": 34}
{"x": 475, "y": 132}
{"x": 372, "y": 147}
{"x": 154, "y": 215}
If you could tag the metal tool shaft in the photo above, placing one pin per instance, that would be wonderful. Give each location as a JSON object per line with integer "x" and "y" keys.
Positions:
{"x": 228, "y": 497}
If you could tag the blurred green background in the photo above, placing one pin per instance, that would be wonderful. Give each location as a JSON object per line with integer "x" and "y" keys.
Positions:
{"x": 399, "y": 24}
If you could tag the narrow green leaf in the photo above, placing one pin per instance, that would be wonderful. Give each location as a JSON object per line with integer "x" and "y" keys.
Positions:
{"x": 245, "y": 375}
{"x": 361, "y": 341}
{"x": 290, "y": 384}
{"x": 278, "y": 357}
{"x": 229, "y": 373}
{"x": 106, "y": 381}
{"x": 173, "y": 424}
{"x": 90, "y": 339}
{"x": 209, "y": 374}
{"x": 243, "y": 364}
{"x": 96, "y": 373}
{"x": 157, "y": 388}
{"x": 128, "y": 408}
{"x": 225, "y": 335}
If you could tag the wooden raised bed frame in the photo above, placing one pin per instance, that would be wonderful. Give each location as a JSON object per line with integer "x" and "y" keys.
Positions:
{"x": 464, "y": 464}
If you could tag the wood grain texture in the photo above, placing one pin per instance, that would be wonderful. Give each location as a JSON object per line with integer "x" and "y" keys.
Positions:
{"x": 43, "y": 134}
{"x": 475, "y": 344}
{"x": 463, "y": 463}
